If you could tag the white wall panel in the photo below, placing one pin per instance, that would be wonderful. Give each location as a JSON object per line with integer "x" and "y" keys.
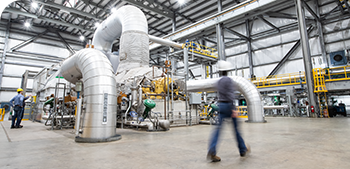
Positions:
{"x": 23, "y": 59}
{"x": 263, "y": 70}
{"x": 344, "y": 24}
{"x": 326, "y": 8}
{"x": 260, "y": 26}
{"x": 6, "y": 96}
{"x": 269, "y": 55}
{"x": 333, "y": 47}
{"x": 291, "y": 67}
{"x": 38, "y": 48}
{"x": 11, "y": 82}
{"x": 239, "y": 60}
{"x": 240, "y": 29}
{"x": 290, "y": 36}
{"x": 266, "y": 42}
{"x": 314, "y": 46}
{"x": 18, "y": 70}
{"x": 236, "y": 49}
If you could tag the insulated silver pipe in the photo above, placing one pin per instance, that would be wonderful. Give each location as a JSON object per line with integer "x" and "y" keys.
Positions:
{"x": 248, "y": 89}
{"x": 130, "y": 24}
{"x": 100, "y": 94}
{"x": 165, "y": 42}
{"x": 277, "y": 107}
{"x": 126, "y": 18}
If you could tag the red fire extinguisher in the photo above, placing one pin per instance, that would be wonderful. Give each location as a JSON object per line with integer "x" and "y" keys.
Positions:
{"x": 312, "y": 109}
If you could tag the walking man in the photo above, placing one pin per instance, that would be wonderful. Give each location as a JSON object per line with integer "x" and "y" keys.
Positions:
{"x": 17, "y": 104}
{"x": 227, "y": 109}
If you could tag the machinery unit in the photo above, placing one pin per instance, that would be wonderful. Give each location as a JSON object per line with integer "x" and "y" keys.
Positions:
{"x": 338, "y": 58}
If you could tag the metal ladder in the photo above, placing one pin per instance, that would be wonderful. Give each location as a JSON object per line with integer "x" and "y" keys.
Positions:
{"x": 321, "y": 90}
{"x": 323, "y": 103}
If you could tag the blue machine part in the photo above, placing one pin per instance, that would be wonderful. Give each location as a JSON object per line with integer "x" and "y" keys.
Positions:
{"x": 141, "y": 119}
{"x": 340, "y": 109}
{"x": 133, "y": 114}
{"x": 6, "y": 105}
{"x": 338, "y": 58}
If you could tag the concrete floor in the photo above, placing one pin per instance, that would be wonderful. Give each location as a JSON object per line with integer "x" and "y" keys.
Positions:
{"x": 279, "y": 143}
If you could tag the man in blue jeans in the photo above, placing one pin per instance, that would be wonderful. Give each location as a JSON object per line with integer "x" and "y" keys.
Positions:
{"x": 17, "y": 104}
{"x": 226, "y": 92}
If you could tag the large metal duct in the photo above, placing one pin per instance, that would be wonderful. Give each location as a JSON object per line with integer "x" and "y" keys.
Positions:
{"x": 248, "y": 89}
{"x": 100, "y": 94}
{"x": 130, "y": 24}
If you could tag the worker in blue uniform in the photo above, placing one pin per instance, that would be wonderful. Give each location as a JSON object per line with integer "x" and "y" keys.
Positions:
{"x": 17, "y": 104}
{"x": 226, "y": 91}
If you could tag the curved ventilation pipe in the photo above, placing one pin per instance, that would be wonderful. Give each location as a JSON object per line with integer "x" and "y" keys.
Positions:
{"x": 100, "y": 94}
{"x": 130, "y": 24}
{"x": 248, "y": 89}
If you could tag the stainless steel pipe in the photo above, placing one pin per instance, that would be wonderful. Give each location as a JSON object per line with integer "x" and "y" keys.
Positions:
{"x": 248, "y": 89}
{"x": 100, "y": 94}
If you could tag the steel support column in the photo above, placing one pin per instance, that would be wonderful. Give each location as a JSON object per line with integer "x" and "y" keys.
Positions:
{"x": 24, "y": 82}
{"x": 249, "y": 43}
{"x": 306, "y": 56}
{"x": 220, "y": 36}
{"x": 321, "y": 37}
{"x": 174, "y": 23}
{"x": 3, "y": 58}
{"x": 186, "y": 63}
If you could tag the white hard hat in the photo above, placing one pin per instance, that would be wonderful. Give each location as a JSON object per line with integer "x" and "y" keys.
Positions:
{"x": 224, "y": 65}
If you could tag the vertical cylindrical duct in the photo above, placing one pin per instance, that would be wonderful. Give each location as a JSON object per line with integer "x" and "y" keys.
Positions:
{"x": 130, "y": 24}
{"x": 248, "y": 89}
{"x": 100, "y": 94}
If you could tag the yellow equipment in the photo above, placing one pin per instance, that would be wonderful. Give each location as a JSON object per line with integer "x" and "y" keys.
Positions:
{"x": 158, "y": 87}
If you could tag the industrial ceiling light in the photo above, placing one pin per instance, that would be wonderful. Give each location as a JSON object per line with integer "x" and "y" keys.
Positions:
{"x": 34, "y": 5}
{"x": 82, "y": 38}
{"x": 97, "y": 24}
{"x": 27, "y": 24}
{"x": 113, "y": 10}
{"x": 181, "y": 2}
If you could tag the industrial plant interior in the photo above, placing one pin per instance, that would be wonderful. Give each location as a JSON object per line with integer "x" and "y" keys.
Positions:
{"x": 133, "y": 83}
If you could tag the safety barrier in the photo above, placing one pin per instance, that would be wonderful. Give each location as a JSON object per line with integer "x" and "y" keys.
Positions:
{"x": 201, "y": 49}
{"x": 279, "y": 80}
{"x": 337, "y": 74}
{"x": 2, "y": 114}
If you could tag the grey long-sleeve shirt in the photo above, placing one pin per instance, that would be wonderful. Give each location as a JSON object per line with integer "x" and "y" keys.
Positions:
{"x": 226, "y": 90}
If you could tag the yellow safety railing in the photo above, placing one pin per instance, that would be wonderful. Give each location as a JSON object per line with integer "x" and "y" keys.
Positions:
{"x": 337, "y": 74}
{"x": 243, "y": 112}
{"x": 201, "y": 49}
{"x": 279, "y": 80}
{"x": 344, "y": 6}
{"x": 319, "y": 80}
{"x": 2, "y": 114}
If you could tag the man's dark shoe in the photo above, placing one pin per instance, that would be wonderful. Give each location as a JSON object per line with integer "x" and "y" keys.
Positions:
{"x": 13, "y": 127}
{"x": 246, "y": 152}
{"x": 213, "y": 158}
{"x": 20, "y": 126}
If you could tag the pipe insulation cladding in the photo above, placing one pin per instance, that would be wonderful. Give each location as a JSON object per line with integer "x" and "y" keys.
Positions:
{"x": 130, "y": 25}
{"x": 251, "y": 93}
{"x": 100, "y": 94}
